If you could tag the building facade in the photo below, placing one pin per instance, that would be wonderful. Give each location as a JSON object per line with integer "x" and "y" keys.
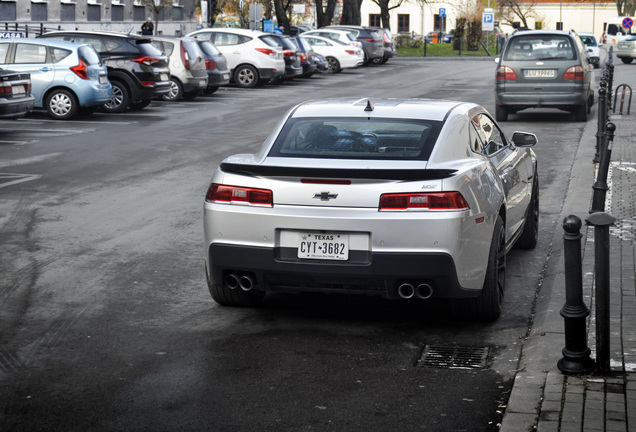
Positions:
{"x": 176, "y": 18}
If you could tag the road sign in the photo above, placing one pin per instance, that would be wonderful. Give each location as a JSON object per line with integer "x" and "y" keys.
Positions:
{"x": 628, "y": 22}
{"x": 442, "y": 12}
{"x": 488, "y": 21}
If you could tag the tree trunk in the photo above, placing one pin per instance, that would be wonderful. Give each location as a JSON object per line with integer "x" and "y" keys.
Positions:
{"x": 350, "y": 12}
{"x": 324, "y": 18}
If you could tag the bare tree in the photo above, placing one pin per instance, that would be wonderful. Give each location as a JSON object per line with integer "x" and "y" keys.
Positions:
{"x": 386, "y": 6}
{"x": 324, "y": 14}
{"x": 512, "y": 11}
{"x": 626, "y": 7}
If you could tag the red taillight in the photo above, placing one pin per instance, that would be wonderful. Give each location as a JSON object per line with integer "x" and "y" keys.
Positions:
{"x": 5, "y": 89}
{"x": 505, "y": 72}
{"x": 267, "y": 51}
{"x": 289, "y": 53}
{"x": 428, "y": 201}
{"x": 210, "y": 64}
{"x": 304, "y": 57}
{"x": 239, "y": 195}
{"x": 574, "y": 72}
{"x": 147, "y": 60}
{"x": 370, "y": 40}
{"x": 352, "y": 52}
{"x": 185, "y": 58}
{"x": 325, "y": 181}
{"x": 81, "y": 70}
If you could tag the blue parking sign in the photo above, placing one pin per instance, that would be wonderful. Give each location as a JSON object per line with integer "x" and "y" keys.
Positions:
{"x": 442, "y": 12}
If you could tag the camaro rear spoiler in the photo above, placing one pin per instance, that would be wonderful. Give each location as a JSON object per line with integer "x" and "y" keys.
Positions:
{"x": 382, "y": 174}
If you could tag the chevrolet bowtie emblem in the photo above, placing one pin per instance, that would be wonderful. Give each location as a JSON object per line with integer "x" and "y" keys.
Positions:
{"x": 325, "y": 196}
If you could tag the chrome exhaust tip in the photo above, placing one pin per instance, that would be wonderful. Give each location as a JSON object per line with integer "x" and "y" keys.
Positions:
{"x": 231, "y": 281}
{"x": 406, "y": 291}
{"x": 424, "y": 291}
{"x": 247, "y": 282}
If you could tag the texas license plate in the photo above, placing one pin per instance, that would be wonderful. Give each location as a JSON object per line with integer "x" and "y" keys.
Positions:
{"x": 328, "y": 246}
{"x": 540, "y": 73}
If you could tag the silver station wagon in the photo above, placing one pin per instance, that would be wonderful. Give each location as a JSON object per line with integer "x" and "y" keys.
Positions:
{"x": 406, "y": 199}
{"x": 544, "y": 69}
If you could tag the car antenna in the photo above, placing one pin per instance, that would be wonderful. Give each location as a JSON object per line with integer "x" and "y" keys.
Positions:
{"x": 369, "y": 107}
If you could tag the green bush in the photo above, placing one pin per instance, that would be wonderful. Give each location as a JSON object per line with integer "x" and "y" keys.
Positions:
{"x": 406, "y": 41}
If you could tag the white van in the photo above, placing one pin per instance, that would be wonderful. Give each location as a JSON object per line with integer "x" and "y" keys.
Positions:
{"x": 614, "y": 30}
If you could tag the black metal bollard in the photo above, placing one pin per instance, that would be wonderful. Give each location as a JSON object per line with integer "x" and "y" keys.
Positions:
{"x": 600, "y": 185}
{"x": 602, "y": 114}
{"x": 576, "y": 354}
{"x": 601, "y": 222}
{"x": 610, "y": 81}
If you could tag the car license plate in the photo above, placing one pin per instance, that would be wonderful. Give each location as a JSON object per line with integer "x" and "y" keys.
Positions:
{"x": 540, "y": 73}
{"x": 203, "y": 83}
{"x": 18, "y": 90}
{"x": 163, "y": 77}
{"x": 329, "y": 246}
{"x": 103, "y": 79}
{"x": 226, "y": 76}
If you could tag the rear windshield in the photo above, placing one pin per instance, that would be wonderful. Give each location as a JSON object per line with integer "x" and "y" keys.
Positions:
{"x": 356, "y": 138}
{"x": 540, "y": 47}
{"x": 269, "y": 40}
{"x": 209, "y": 48}
{"x": 89, "y": 55}
{"x": 588, "y": 40}
{"x": 147, "y": 48}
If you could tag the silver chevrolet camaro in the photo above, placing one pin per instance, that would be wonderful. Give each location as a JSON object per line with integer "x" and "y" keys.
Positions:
{"x": 407, "y": 199}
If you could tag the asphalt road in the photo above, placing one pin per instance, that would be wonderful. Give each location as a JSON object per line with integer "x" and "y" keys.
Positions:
{"x": 106, "y": 323}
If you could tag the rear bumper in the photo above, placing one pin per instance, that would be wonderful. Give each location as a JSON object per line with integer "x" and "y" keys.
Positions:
{"x": 192, "y": 84}
{"x": 279, "y": 269}
{"x": 218, "y": 78}
{"x": 14, "y": 109}
{"x": 573, "y": 96}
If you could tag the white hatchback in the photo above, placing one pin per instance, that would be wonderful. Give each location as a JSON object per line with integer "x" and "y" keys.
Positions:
{"x": 338, "y": 54}
{"x": 253, "y": 57}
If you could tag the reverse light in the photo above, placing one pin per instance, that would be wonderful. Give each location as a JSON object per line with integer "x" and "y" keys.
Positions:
{"x": 266, "y": 51}
{"x": 81, "y": 70}
{"x": 239, "y": 195}
{"x": 505, "y": 72}
{"x": 146, "y": 60}
{"x": 574, "y": 72}
{"x": 423, "y": 201}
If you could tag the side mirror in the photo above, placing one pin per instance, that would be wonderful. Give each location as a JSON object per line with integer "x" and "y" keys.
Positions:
{"x": 524, "y": 139}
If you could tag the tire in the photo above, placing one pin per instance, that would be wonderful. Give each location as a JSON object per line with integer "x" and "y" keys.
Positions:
{"x": 487, "y": 306}
{"x": 581, "y": 111}
{"x": 61, "y": 104}
{"x": 234, "y": 297}
{"x": 378, "y": 60}
{"x": 333, "y": 65}
{"x": 210, "y": 90}
{"x": 193, "y": 94}
{"x": 530, "y": 235}
{"x": 626, "y": 60}
{"x": 175, "y": 93}
{"x": 246, "y": 76}
{"x": 120, "y": 99}
{"x": 139, "y": 105}
{"x": 501, "y": 113}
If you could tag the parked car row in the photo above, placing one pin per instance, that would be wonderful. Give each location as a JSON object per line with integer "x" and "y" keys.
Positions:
{"x": 73, "y": 72}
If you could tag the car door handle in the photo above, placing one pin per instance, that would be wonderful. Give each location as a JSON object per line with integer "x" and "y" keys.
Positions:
{"x": 45, "y": 69}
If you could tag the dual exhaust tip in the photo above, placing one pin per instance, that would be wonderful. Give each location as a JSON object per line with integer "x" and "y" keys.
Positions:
{"x": 407, "y": 291}
{"x": 245, "y": 282}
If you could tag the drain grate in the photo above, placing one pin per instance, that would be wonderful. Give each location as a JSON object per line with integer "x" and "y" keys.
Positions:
{"x": 454, "y": 357}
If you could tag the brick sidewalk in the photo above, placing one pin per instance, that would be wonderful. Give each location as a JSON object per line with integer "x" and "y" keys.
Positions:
{"x": 544, "y": 399}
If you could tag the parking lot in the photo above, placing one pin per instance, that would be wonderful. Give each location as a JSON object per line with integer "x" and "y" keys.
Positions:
{"x": 107, "y": 323}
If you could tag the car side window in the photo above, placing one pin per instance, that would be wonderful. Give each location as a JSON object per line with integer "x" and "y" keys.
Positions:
{"x": 491, "y": 137}
{"x": 28, "y": 53}
{"x": 226, "y": 39}
{"x": 4, "y": 49}
{"x": 58, "y": 54}
{"x": 96, "y": 42}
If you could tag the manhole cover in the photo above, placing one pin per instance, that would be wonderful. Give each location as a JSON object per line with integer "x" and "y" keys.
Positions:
{"x": 454, "y": 357}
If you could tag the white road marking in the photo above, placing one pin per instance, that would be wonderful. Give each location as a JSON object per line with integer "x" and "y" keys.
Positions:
{"x": 29, "y": 160}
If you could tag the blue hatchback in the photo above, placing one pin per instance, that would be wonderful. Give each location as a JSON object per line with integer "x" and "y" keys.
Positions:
{"x": 66, "y": 77}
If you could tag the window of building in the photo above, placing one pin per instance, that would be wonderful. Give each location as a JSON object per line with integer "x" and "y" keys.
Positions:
{"x": 374, "y": 20}
{"x": 39, "y": 11}
{"x": 404, "y": 24}
{"x": 177, "y": 14}
{"x": 94, "y": 13}
{"x": 7, "y": 11}
{"x": 438, "y": 22}
{"x": 67, "y": 12}
{"x": 117, "y": 13}
{"x": 139, "y": 13}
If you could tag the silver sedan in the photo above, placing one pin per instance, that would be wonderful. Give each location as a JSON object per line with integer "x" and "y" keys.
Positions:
{"x": 407, "y": 199}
